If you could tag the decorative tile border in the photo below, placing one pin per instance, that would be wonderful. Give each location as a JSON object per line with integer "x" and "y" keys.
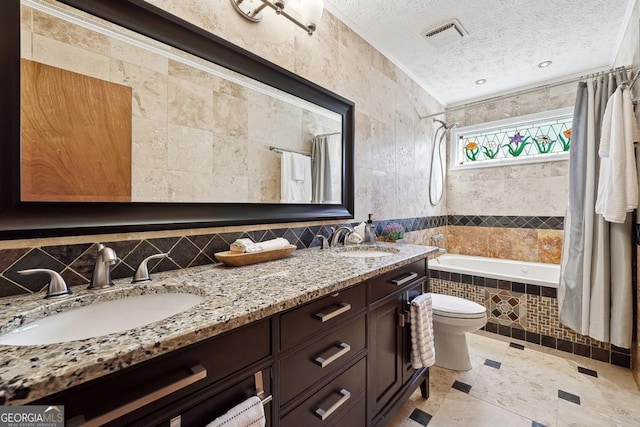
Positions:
{"x": 525, "y": 312}
{"x": 535, "y": 222}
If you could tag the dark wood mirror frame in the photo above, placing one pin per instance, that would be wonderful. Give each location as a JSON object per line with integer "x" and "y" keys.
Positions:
{"x": 19, "y": 220}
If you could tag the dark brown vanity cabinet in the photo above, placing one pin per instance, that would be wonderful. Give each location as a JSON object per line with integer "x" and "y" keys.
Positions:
{"x": 322, "y": 362}
{"x": 190, "y": 386}
{"x": 391, "y": 377}
{"x": 340, "y": 360}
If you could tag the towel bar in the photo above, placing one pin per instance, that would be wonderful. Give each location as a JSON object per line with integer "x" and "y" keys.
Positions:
{"x": 259, "y": 382}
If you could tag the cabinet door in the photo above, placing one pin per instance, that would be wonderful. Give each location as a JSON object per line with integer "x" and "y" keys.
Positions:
{"x": 385, "y": 352}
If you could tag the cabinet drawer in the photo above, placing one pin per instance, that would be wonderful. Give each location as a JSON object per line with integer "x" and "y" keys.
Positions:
{"x": 201, "y": 408}
{"x": 333, "y": 400}
{"x": 170, "y": 373}
{"x": 390, "y": 282}
{"x": 320, "y": 358}
{"x": 300, "y": 323}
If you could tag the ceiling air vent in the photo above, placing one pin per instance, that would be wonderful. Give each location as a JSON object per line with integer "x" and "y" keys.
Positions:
{"x": 445, "y": 34}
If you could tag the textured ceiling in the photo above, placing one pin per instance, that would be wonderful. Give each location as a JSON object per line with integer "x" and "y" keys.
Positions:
{"x": 506, "y": 41}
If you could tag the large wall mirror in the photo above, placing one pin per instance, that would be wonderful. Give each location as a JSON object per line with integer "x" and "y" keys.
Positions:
{"x": 131, "y": 119}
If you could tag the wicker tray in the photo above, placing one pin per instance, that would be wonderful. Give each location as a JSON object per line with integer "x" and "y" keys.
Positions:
{"x": 235, "y": 259}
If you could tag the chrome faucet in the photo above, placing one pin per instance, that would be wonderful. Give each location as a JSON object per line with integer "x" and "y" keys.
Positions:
{"x": 142, "y": 272}
{"x": 334, "y": 239}
{"x": 436, "y": 238}
{"x": 102, "y": 270}
{"x": 57, "y": 287}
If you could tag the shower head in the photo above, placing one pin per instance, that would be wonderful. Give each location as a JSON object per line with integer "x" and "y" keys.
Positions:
{"x": 444, "y": 125}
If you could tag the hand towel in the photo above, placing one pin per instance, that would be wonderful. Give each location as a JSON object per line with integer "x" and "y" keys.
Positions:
{"x": 295, "y": 178}
{"x": 249, "y": 413}
{"x": 618, "y": 178}
{"x": 240, "y": 245}
{"x": 268, "y": 245}
{"x": 423, "y": 353}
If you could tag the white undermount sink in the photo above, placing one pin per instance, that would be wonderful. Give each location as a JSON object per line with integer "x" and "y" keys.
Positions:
{"x": 366, "y": 251}
{"x": 100, "y": 319}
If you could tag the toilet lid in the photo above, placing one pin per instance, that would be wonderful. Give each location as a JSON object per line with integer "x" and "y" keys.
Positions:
{"x": 447, "y": 305}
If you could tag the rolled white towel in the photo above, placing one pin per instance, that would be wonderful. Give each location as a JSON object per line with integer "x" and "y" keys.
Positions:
{"x": 268, "y": 245}
{"x": 240, "y": 245}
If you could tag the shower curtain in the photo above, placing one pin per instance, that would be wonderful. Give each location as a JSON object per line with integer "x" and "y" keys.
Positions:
{"x": 595, "y": 292}
{"x": 323, "y": 154}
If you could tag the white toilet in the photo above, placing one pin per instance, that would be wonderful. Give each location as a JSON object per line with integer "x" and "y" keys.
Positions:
{"x": 453, "y": 317}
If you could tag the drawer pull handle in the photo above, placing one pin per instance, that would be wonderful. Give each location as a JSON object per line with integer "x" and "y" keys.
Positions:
{"x": 198, "y": 373}
{"x": 344, "y": 307}
{"x": 406, "y": 279}
{"x": 344, "y": 349}
{"x": 325, "y": 414}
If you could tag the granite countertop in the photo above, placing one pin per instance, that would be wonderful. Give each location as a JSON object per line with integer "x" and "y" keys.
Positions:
{"x": 233, "y": 296}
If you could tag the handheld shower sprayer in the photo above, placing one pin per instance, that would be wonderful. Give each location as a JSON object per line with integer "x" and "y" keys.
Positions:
{"x": 434, "y": 199}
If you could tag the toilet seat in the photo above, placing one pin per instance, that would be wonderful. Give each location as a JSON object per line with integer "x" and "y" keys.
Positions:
{"x": 455, "y": 307}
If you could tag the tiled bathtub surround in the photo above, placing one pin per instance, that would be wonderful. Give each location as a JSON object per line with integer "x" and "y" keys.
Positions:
{"x": 534, "y": 239}
{"x": 75, "y": 261}
{"x": 526, "y": 312}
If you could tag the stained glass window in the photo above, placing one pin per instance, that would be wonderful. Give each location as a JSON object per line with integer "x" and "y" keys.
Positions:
{"x": 524, "y": 139}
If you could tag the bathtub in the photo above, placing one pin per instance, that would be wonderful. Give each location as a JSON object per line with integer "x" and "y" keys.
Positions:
{"x": 534, "y": 273}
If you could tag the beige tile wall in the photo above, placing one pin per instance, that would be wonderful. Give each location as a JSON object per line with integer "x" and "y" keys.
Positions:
{"x": 506, "y": 243}
{"x": 538, "y": 189}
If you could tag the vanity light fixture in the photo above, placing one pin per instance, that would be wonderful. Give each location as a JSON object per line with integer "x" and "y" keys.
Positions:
{"x": 481, "y": 81}
{"x": 310, "y": 11}
{"x": 544, "y": 64}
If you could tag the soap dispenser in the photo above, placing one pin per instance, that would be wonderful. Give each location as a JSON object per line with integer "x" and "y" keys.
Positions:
{"x": 370, "y": 231}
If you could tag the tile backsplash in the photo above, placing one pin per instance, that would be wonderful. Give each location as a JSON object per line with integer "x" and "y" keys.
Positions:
{"x": 75, "y": 261}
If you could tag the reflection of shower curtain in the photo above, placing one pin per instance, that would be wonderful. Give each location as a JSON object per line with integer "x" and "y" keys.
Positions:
{"x": 323, "y": 154}
{"x": 595, "y": 292}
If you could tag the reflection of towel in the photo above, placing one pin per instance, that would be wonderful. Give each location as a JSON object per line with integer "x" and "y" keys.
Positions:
{"x": 249, "y": 413}
{"x": 423, "y": 352}
{"x": 295, "y": 178}
{"x": 618, "y": 179}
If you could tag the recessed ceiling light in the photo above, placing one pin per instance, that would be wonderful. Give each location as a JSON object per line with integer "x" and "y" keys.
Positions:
{"x": 544, "y": 64}
{"x": 481, "y": 81}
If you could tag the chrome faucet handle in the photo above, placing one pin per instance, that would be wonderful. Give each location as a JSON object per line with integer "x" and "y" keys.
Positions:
{"x": 324, "y": 240}
{"x": 142, "y": 272}
{"x": 334, "y": 239}
{"x": 57, "y": 286}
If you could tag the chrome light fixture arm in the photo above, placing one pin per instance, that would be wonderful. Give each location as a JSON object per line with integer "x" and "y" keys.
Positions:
{"x": 247, "y": 10}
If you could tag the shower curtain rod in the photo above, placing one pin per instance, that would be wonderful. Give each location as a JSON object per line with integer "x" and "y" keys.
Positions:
{"x": 523, "y": 92}
{"x": 329, "y": 134}
{"x": 282, "y": 150}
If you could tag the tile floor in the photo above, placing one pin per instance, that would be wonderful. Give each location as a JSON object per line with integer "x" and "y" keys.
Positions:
{"x": 514, "y": 383}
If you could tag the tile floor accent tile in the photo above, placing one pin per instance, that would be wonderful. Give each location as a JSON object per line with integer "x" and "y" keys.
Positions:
{"x": 458, "y": 385}
{"x": 515, "y": 345}
{"x": 492, "y": 363}
{"x": 536, "y": 386}
{"x": 420, "y": 417}
{"x": 589, "y": 372}
{"x": 569, "y": 397}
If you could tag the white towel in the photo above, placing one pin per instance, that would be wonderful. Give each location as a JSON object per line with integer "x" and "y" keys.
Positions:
{"x": 618, "y": 179}
{"x": 423, "y": 352}
{"x": 268, "y": 245}
{"x": 249, "y": 413}
{"x": 295, "y": 178}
